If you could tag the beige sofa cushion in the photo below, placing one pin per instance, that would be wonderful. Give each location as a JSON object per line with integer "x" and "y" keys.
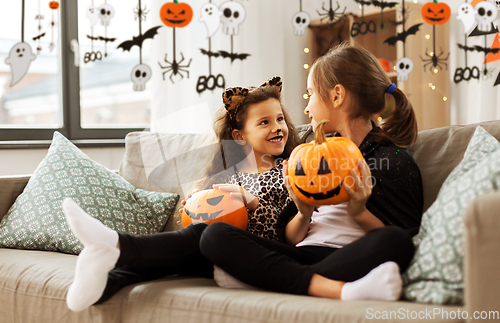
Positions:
{"x": 33, "y": 286}
{"x": 438, "y": 151}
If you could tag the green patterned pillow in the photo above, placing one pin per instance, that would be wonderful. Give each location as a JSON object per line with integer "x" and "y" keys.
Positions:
{"x": 36, "y": 220}
{"x": 435, "y": 274}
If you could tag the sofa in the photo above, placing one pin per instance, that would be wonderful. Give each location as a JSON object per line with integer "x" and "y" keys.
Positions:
{"x": 33, "y": 284}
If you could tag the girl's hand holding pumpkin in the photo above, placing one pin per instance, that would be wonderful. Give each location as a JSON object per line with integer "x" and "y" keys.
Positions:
{"x": 303, "y": 208}
{"x": 183, "y": 202}
{"x": 250, "y": 201}
{"x": 363, "y": 183}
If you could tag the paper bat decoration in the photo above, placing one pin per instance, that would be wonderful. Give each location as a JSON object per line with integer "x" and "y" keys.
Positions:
{"x": 363, "y": 3}
{"x": 233, "y": 56}
{"x": 479, "y": 49}
{"x": 402, "y": 36}
{"x": 107, "y": 40}
{"x": 384, "y": 5}
{"x": 39, "y": 36}
{"x": 137, "y": 41}
{"x": 209, "y": 53}
{"x": 92, "y": 38}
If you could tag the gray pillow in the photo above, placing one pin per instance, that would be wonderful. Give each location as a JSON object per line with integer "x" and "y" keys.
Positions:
{"x": 36, "y": 220}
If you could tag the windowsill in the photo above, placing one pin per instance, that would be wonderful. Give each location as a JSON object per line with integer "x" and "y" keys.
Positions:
{"x": 42, "y": 144}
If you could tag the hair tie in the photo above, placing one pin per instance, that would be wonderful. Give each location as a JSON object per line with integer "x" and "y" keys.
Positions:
{"x": 233, "y": 97}
{"x": 391, "y": 88}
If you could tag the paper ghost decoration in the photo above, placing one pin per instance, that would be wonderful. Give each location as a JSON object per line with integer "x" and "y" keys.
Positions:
{"x": 486, "y": 13}
{"x": 233, "y": 14}
{"x": 300, "y": 21}
{"x": 19, "y": 59}
{"x": 93, "y": 15}
{"x": 210, "y": 15}
{"x": 467, "y": 15}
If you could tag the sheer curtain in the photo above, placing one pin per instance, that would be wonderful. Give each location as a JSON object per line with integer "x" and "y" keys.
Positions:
{"x": 266, "y": 34}
{"x": 474, "y": 100}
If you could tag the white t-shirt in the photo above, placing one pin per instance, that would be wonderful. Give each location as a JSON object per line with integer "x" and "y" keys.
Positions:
{"x": 332, "y": 227}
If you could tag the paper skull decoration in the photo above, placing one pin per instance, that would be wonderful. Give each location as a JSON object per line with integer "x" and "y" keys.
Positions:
{"x": 300, "y": 21}
{"x": 436, "y": 13}
{"x": 233, "y": 14}
{"x": 214, "y": 205}
{"x": 404, "y": 66}
{"x": 176, "y": 14}
{"x": 106, "y": 13}
{"x": 140, "y": 74}
{"x": 318, "y": 171}
{"x": 486, "y": 13}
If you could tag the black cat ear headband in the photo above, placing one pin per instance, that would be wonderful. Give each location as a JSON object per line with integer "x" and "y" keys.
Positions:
{"x": 234, "y": 96}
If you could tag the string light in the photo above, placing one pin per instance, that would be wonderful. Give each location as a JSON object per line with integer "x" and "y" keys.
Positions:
{"x": 427, "y": 36}
{"x": 415, "y": 1}
{"x": 305, "y": 96}
{"x": 431, "y": 54}
{"x": 306, "y": 66}
{"x": 306, "y": 50}
{"x": 436, "y": 71}
{"x": 445, "y": 99}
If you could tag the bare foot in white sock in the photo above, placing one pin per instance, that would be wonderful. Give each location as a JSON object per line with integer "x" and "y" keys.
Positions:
{"x": 91, "y": 275}
{"x": 382, "y": 283}
{"x": 85, "y": 227}
{"x": 97, "y": 258}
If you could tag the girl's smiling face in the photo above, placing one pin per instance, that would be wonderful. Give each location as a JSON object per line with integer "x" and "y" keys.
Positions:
{"x": 265, "y": 129}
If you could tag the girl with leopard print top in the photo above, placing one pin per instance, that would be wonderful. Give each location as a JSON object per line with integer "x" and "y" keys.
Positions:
{"x": 255, "y": 135}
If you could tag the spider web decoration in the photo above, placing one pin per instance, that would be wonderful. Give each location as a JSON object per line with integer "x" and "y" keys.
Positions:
{"x": 467, "y": 16}
{"x": 435, "y": 60}
{"x": 19, "y": 64}
{"x": 104, "y": 13}
{"x": 40, "y": 35}
{"x": 175, "y": 15}
{"x": 300, "y": 21}
{"x": 363, "y": 27}
{"x": 210, "y": 16}
{"x": 141, "y": 73}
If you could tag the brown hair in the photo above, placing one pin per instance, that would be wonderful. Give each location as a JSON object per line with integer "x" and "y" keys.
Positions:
{"x": 233, "y": 153}
{"x": 359, "y": 72}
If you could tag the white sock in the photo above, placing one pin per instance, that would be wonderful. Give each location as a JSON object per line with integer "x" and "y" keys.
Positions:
{"x": 85, "y": 227}
{"x": 382, "y": 283}
{"x": 91, "y": 275}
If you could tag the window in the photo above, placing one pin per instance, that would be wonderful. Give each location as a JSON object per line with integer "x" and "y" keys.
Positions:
{"x": 88, "y": 98}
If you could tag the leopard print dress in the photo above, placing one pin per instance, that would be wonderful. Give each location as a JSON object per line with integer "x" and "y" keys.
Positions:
{"x": 269, "y": 188}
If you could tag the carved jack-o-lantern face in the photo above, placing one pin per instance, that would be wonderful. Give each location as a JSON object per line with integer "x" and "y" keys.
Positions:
{"x": 54, "y": 5}
{"x": 435, "y": 13}
{"x": 176, "y": 14}
{"x": 210, "y": 206}
{"x": 318, "y": 171}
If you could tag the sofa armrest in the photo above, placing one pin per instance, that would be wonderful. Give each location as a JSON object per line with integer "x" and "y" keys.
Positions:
{"x": 482, "y": 259}
{"x": 10, "y": 188}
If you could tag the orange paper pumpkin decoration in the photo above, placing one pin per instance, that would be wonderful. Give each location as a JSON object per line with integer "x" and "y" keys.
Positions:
{"x": 435, "y": 13}
{"x": 213, "y": 205}
{"x": 176, "y": 14}
{"x": 54, "y": 5}
{"x": 319, "y": 170}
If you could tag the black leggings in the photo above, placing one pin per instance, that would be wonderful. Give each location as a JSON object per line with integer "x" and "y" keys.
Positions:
{"x": 154, "y": 256}
{"x": 257, "y": 261}
{"x": 279, "y": 267}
